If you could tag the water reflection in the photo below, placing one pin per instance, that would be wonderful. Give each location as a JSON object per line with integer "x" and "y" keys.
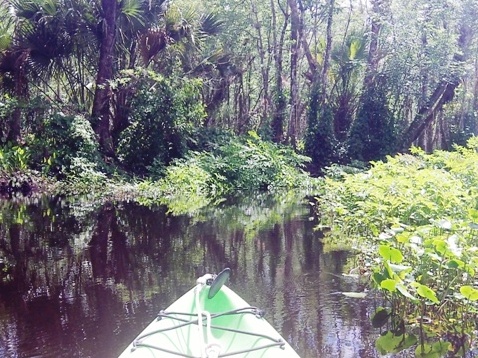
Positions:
{"x": 83, "y": 280}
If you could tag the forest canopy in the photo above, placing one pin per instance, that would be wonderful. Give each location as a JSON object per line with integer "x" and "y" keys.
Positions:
{"x": 86, "y": 85}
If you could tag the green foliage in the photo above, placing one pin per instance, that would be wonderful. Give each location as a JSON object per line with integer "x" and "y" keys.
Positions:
{"x": 62, "y": 141}
{"x": 15, "y": 175}
{"x": 253, "y": 164}
{"x": 243, "y": 164}
{"x": 434, "y": 276}
{"x": 320, "y": 143}
{"x": 13, "y": 158}
{"x": 372, "y": 135}
{"x": 7, "y": 107}
{"x": 414, "y": 220}
{"x": 186, "y": 187}
{"x": 164, "y": 117}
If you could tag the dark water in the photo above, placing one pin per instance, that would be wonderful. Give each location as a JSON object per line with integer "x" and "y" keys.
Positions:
{"x": 82, "y": 280}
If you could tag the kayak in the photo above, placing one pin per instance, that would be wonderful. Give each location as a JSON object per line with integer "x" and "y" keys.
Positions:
{"x": 210, "y": 321}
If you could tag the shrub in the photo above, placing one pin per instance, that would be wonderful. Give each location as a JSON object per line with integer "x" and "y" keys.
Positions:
{"x": 163, "y": 116}
{"x": 245, "y": 163}
{"x": 62, "y": 140}
{"x": 320, "y": 142}
{"x": 372, "y": 136}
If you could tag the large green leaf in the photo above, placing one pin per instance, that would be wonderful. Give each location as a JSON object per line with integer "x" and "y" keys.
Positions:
{"x": 403, "y": 290}
{"x": 432, "y": 350}
{"x": 390, "y": 343}
{"x": 389, "y": 285}
{"x": 426, "y": 292}
{"x": 390, "y": 253}
{"x": 469, "y": 292}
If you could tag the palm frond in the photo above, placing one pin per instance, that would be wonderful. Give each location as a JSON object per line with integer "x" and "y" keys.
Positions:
{"x": 211, "y": 24}
{"x": 133, "y": 11}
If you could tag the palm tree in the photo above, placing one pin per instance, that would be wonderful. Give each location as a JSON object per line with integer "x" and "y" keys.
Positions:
{"x": 71, "y": 50}
{"x": 50, "y": 50}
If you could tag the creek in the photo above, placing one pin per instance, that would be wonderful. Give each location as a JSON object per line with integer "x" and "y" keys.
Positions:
{"x": 82, "y": 279}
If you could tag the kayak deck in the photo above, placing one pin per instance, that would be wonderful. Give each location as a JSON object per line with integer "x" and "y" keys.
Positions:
{"x": 200, "y": 326}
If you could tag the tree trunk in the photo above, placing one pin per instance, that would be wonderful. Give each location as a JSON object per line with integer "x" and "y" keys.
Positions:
{"x": 264, "y": 64}
{"x": 294, "y": 82}
{"x": 327, "y": 53}
{"x": 279, "y": 109}
{"x": 475, "y": 88}
{"x": 101, "y": 103}
{"x": 443, "y": 94}
{"x": 375, "y": 27}
{"x": 20, "y": 92}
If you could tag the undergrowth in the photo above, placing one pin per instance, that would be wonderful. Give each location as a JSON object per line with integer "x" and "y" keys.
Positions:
{"x": 413, "y": 219}
{"x": 242, "y": 164}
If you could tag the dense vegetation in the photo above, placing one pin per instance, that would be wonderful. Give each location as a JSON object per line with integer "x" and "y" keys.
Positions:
{"x": 107, "y": 88}
{"x": 414, "y": 221}
{"x": 186, "y": 102}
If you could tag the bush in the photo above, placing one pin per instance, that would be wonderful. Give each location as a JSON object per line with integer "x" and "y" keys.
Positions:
{"x": 320, "y": 142}
{"x": 372, "y": 136}
{"x": 414, "y": 222}
{"x": 163, "y": 117}
{"x": 250, "y": 163}
{"x": 62, "y": 140}
{"x": 245, "y": 163}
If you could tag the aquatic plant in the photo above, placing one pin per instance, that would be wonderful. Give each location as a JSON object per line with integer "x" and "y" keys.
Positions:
{"x": 427, "y": 275}
{"x": 413, "y": 220}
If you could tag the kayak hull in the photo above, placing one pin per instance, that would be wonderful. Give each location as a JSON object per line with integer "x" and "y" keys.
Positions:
{"x": 236, "y": 330}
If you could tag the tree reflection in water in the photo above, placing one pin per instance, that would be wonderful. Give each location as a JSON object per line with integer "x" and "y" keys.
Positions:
{"x": 82, "y": 280}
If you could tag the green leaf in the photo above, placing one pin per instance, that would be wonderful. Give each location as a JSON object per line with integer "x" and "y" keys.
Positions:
{"x": 454, "y": 264}
{"x": 400, "y": 270}
{"x": 390, "y": 253}
{"x": 425, "y": 351}
{"x": 390, "y": 343}
{"x": 435, "y": 350}
{"x": 473, "y": 214}
{"x": 378, "y": 278}
{"x": 426, "y": 292}
{"x": 389, "y": 285}
{"x": 403, "y": 290}
{"x": 469, "y": 292}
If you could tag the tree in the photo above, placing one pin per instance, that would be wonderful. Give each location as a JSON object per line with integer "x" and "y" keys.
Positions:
{"x": 348, "y": 60}
{"x": 372, "y": 136}
{"x": 101, "y": 103}
{"x": 279, "y": 96}
{"x": 444, "y": 91}
{"x": 320, "y": 143}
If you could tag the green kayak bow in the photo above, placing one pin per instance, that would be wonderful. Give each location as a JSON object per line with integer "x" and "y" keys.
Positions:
{"x": 210, "y": 321}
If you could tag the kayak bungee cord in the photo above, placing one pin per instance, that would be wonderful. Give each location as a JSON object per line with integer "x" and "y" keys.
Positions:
{"x": 246, "y": 310}
{"x": 209, "y": 347}
{"x": 163, "y": 314}
{"x": 244, "y": 351}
